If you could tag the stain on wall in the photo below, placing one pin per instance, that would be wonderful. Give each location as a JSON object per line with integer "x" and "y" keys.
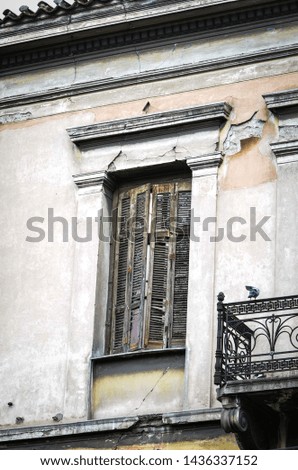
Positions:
{"x": 226, "y": 442}
{"x": 138, "y": 385}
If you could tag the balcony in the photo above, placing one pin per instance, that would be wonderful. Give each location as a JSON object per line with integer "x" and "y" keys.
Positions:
{"x": 256, "y": 371}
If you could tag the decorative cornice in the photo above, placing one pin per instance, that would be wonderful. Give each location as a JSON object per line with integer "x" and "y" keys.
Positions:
{"x": 46, "y": 12}
{"x": 200, "y": 25}
{"x": 282, "y": 102}
{"x": 96, "y": 178}
{"x": 205, "y": 165}
{"x": 145, "y": 77}
{"x": 285, "y": 152}
{"x": 89, "y": 135}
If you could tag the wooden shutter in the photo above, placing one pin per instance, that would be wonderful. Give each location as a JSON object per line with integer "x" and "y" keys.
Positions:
{"x": 158, "y": 281}
{"x": 138, "y": 281}
{"x": 178, "y": 332}
{"x": 149, "y": 304}
{"x": 130, "y": 270}
{"x": 121, "y": 269}
{"x": 169, "y": 257}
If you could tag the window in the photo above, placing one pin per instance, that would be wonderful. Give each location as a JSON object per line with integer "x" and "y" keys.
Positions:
{"x": 150, "y": 272}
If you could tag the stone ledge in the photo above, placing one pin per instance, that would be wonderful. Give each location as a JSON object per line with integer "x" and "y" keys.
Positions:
{"x": 67, "y": 429}
{"x": 281, "y": 102}
{"x": 152, "y": 122}
{"x": 140, "y": 353}
{"x": 107, "y": 425}
{"x": 261, "y": 385}
{"x": 192, "y": 416}
{"x": 285, "y": 152}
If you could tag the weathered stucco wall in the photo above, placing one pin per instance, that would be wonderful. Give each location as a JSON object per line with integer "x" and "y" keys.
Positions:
{"x": 37, "y": 164}
{"x": 49, "y": 321}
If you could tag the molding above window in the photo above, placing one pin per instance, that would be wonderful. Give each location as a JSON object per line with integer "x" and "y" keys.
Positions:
{"x": 282, "y": 102}
{"x": 285, "y": 152}
{"x": 88, "y": 136}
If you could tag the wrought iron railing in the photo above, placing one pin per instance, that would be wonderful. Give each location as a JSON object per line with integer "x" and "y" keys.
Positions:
{"x": 256, "y": 338}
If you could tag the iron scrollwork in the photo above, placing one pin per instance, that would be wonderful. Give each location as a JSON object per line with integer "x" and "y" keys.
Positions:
{"x": 256, "y": 337}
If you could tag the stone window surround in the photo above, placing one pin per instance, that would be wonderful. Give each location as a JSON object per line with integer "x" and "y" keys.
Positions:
{"x": 95, "y": 189}
{"x": 282, "y": 104}
{"x": 285, "y": 152}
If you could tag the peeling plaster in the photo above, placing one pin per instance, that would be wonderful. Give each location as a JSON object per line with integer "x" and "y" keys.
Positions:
{"x": 8, "y": 118}
{"x": 248, "y": 160}
{"x": 252, "y": 128}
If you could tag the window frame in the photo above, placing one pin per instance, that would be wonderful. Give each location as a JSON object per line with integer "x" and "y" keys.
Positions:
{"x": 152, "y": 187}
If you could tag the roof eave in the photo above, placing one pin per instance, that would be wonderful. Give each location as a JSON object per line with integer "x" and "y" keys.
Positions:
{"x": 114, "y": 16}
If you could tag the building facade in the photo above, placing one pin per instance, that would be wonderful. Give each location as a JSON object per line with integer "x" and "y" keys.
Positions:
{"x": 149, "y": 161}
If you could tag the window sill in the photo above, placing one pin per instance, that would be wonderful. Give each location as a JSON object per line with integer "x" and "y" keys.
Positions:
{"x": 139, "y": 353}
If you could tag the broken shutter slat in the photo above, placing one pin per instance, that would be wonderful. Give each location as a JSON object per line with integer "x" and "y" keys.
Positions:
{"x": 120, "y": 277}
{"x": 140, "y": 235}
{"x": 158, "y": 303}
{"x": 181, "y": 268}
{"x": 159, "y": 286}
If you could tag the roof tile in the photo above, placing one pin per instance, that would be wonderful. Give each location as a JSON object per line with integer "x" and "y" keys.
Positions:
{"x": 44, "y": 9}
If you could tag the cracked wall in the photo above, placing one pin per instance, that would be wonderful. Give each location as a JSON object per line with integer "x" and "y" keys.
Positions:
{"x": 151, "y": 149}
{"x": 139, "y": 386}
